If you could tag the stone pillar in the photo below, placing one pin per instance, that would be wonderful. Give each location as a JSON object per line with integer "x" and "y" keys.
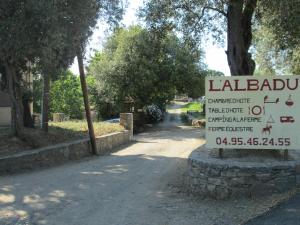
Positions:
{"x": 126, "y": 120}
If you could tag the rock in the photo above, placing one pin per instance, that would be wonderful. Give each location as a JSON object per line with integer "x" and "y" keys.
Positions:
{"x": 199, "y": 123}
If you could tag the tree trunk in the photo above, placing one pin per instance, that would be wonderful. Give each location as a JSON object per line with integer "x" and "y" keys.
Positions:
{"x": 86, "y": 101}
{"x": 15, "y": 93}
{"x": 45, "y": 110}
{"x": 28, "y": 119}
{"x": 239, "y": 37}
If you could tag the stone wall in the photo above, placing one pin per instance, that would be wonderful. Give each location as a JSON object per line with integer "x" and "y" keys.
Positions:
{"x": 57, "y": 154}
{"x": 45, "y": 157}
{"x": 105, "y": 144}
{"x": 222, "y": 178}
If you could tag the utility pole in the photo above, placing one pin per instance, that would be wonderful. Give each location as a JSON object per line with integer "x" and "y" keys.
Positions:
{"x": 86, "y": 100}
{"x": 45, "y": 106}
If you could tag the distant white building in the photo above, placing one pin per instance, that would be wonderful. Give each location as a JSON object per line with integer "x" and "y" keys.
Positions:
{"x": 183, "y": 97}
{"x": 5, "y": 102}
{"x": 5, "y": 109}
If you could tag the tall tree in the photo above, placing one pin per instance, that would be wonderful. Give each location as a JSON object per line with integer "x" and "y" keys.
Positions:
{"x": 22, "y": 32}
{"x": 233, "y": 17}
{"x": 66, "y": 96}
{"x": 34, "y": 30}
{"x": 277, "y": 37}
{"x": 138, "y": 65}
{"x": 282, "y": 19}
{"x": 268, "y": 57}
{"x": 112, "y": 12}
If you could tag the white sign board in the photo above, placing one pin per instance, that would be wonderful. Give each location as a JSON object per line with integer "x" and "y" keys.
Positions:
{"x": 253, "y": 112}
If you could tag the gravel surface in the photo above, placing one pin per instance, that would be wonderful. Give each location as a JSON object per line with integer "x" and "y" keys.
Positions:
{"x": 141, "y": 184}
{"x": 287, "y": 213}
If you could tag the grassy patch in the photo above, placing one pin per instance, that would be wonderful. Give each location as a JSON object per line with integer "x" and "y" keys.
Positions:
{"x": 58, "y": 133}
{"x": 81, "y": 128}
{"x": 192, "y": 106}
{"x": 198, "y": 116}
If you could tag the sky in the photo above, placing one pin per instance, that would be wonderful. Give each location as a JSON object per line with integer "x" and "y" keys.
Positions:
{"x": 215, "y": 56}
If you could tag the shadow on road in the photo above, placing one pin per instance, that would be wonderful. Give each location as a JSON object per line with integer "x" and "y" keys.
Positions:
{"x": 91, "y": 192}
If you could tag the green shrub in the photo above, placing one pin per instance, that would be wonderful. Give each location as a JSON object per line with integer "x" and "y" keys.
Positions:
{"x": 184, "y": 118}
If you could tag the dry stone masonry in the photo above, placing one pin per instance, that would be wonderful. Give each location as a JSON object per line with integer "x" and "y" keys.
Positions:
{"x": 219, "y": 178}
{"x": 57, "y": 154}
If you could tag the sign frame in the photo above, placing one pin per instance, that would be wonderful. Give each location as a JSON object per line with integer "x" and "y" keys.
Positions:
{"x": 247, "y": 112}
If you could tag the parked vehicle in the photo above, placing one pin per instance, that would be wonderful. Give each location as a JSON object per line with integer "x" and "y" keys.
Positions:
{"x": 116, "y": 120}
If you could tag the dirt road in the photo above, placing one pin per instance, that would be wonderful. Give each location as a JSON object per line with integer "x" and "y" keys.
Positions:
{"x": 141, "y": 184}
{"x": 131, "y": 186}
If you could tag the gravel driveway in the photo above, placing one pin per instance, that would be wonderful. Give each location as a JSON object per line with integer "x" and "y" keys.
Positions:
{"x": 141, "y": 184}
